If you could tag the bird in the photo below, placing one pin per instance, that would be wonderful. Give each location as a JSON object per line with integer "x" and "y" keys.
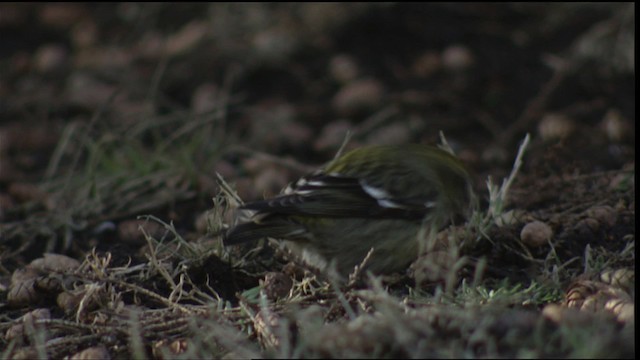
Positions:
{"x": 374, "y": 198}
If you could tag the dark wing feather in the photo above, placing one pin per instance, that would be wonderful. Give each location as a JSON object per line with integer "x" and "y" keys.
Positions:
{"x": 336, "y": 196}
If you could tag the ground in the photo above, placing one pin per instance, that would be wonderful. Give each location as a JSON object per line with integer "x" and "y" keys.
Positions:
{"x": 129, "y": 133}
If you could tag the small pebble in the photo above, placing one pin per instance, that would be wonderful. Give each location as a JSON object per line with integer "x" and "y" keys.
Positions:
{"x": 357, "y": 96}
{"x": 536, "y": 234}
{"x": 457, "y": 57}
{"x": 555, "y": 126}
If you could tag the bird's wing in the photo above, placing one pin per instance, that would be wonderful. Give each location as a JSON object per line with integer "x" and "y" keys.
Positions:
{"x": 335, "y": 195}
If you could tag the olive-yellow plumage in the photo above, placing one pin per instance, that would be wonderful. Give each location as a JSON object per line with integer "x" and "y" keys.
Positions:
{"x": 372, "y": 197}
